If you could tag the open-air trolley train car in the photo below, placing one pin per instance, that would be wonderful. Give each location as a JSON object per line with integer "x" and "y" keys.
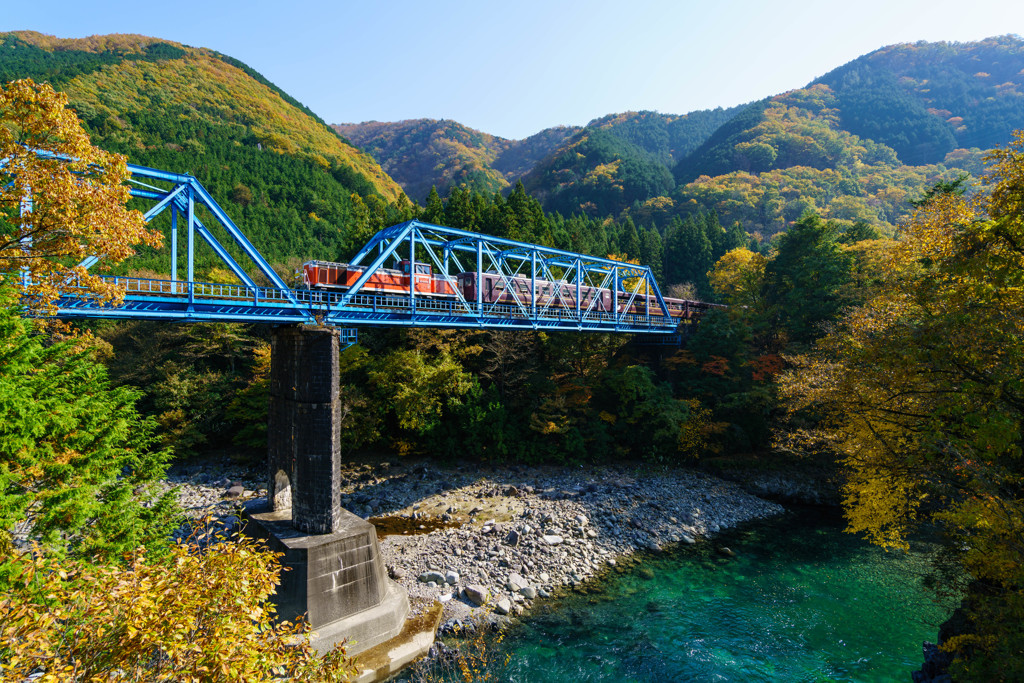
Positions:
{"x": 496, "y": 289}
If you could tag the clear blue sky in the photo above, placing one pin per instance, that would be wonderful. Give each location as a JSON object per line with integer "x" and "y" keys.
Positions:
{"x": 515, "y": 68}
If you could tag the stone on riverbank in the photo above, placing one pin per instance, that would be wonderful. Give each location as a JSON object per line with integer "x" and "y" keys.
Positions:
{"x": 477, "y": 594}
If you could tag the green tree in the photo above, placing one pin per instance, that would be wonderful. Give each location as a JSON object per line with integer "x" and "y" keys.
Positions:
{"x": 804, "y": 281}
{"x": 688, "y": 253}
{"x": 78, "y": 471}
{"x": 417, "y": 391}
{"x": 433, "y": 212}
{"x": 652, "y": 252}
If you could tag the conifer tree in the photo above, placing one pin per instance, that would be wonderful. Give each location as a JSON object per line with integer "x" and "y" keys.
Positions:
{"x": 77, "y": 471}
{"x": 433, "y": 212}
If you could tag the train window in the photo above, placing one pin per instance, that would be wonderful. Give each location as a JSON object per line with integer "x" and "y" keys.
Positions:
{"x": 421, "y": 268}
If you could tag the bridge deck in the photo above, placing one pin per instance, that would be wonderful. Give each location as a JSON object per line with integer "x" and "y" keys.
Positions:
{"x": 198, "y": 301}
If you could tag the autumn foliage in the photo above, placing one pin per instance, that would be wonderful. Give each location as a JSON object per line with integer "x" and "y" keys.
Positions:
{"x": 61, "y": 199}
{"x": 920, "y": 391}
{"x": 200, "y": 615}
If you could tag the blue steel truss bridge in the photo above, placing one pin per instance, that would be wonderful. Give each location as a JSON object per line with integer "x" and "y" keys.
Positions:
{"x": 411, "y": 274}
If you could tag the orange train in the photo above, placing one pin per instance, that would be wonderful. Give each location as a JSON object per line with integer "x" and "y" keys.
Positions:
{"x": 496, "y": 289}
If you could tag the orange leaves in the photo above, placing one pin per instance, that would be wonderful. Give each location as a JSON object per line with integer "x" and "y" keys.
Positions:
{"x": 54, "y": 213}
{"x": 716, "y": 366}
{"x": 764, "y": 368}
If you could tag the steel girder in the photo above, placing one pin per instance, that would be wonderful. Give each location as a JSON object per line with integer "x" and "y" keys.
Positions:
{"x": 450, "y": 251}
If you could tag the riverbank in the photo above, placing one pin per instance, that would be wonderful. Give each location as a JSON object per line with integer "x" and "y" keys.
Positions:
{"x": 488, "y": 542}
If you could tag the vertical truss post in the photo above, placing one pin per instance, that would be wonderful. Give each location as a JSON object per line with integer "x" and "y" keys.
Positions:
{"x": 479, "y": 277}
{"x": 647, "y": 297}
{"x": 191, "y": 246}
{"x": 26, "y": 242}
{"x": 174, "y": 247}
{"x": 533, "y": 283}
{"x": 615, "y": 296}
{"x": 412, "y": 269}
{"x": 579, "y": 282}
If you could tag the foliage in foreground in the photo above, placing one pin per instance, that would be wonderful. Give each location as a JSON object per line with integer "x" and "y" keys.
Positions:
{"x": 58, "y": 211}
{"x": 920, "y": 389}
{"x": 77, "y": 471}
{"x": 200, "y": 615}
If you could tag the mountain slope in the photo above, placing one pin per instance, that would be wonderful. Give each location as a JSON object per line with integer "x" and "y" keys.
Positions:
{"x": 926, "y": 99}
{"x": 421, "y": 153}
{"x": 598, "y": 174}
{"x": 790, "y": 154}
{"x": 863, "y": 140}
{"x": 425, "y": 153}
{"x": 282, "y": 173}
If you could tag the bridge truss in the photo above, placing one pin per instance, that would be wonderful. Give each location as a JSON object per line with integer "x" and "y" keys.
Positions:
{"x": 456, "y": 257}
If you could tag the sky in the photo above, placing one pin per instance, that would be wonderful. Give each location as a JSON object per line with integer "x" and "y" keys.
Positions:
{"x": 515, "y": 68}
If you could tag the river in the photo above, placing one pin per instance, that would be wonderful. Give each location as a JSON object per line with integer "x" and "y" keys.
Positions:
{"x": 799, "y": 600}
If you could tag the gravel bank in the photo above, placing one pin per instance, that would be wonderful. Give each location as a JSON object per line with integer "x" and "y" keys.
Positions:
{"x": 511, "y": 535}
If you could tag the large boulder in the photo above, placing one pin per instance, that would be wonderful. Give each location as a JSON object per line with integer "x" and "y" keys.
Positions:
{"x": 477, "y": 594}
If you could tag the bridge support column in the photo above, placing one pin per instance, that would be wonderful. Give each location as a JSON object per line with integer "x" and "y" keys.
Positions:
{"x": 337, "y": 577}
{"x": 304, "y": 427}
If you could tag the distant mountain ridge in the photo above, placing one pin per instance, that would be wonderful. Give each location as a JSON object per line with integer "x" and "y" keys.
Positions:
{"x": 422, "y": 153}
{"x": 949, "y": 95}
{"x": 854, "y": 144}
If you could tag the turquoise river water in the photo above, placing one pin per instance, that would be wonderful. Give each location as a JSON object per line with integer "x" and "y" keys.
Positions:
{"x": 799, "y": 601}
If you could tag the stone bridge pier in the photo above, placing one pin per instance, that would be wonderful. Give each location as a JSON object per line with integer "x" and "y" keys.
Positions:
{"x": 336, "y": 574}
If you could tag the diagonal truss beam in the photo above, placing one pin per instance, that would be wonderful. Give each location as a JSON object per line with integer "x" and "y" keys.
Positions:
{"x": 532, "y": 287}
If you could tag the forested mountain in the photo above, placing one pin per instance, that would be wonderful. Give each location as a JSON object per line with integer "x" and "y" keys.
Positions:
{"x": 425, "y": 153}
{"x": 853, "y": 145}
{"x": 860, "y": 141}
{"x": 620, "y": 160}
{"x": 296, "y": 186}
{"x": 789, "y": 154}
{"x": 926, "y": 99}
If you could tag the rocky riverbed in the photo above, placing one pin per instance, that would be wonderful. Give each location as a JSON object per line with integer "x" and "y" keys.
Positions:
{"x": 491, "y": 541}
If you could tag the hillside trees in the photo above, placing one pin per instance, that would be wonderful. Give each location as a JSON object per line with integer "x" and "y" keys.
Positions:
{"x": 919, "y": 389}
{"x": 599, "y": 174}
{"x": 805, "y": 280}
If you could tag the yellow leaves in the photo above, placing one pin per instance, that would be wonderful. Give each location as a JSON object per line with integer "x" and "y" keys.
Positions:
{"x": 603, "y": 174}
{"x": 880, "y": 507}
{"x": 54, "y": 213}
{"x": 919, "y": 392}
{"x": 203, "y": 611}
{"x": 738, "y": 277}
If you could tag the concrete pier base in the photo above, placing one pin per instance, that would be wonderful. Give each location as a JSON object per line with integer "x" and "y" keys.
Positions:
{"x": 336, "y": 579}
{"x": 336, "y": 576}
